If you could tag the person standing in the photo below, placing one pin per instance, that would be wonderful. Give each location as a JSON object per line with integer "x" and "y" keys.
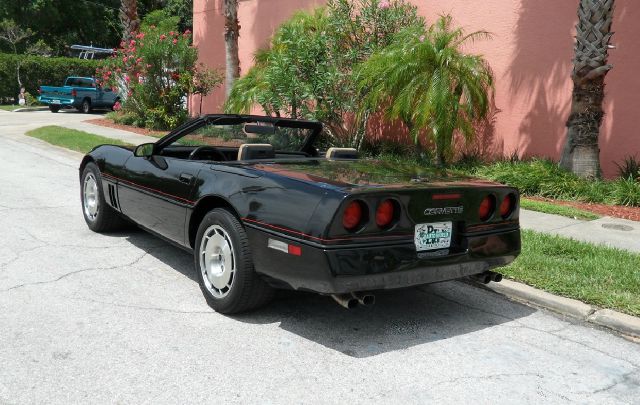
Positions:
{"x": 22, "y": 100}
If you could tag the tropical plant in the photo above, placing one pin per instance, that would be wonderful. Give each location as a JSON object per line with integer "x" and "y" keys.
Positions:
{"x": 629, "y": 168}
{"x": 425, "y": 79}
{"x": 231, "y": 34}
{"x": 581, "y": 153}
{"x": 129, "y": 19}
{"x": 308, "y": 70}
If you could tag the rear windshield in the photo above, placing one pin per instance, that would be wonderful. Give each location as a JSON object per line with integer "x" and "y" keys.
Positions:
{"x": 283, "y": 139}
{"x": 79, "y": 82}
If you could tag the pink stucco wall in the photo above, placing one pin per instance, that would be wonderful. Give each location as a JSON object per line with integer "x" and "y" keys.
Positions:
{"x": 530, "y": 54}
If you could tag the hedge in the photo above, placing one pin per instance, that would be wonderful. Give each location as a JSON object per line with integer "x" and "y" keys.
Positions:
{"x": 36, "y": 71}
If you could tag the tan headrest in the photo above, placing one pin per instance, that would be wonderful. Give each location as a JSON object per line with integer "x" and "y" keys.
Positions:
{"x": 342, "y": 153}
{"x": 251, "y": 151}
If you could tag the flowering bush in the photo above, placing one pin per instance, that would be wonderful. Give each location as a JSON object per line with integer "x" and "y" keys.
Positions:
{"x": 153, "y": 73}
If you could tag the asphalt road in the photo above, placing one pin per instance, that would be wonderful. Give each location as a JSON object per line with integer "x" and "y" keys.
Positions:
{"x": 89, "y": 318}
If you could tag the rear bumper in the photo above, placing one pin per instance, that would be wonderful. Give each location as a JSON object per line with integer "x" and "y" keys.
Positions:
{"x": 342, "y": 270}
{"x": 62, "y": 102}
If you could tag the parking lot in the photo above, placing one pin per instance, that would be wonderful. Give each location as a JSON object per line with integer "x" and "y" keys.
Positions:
{"x": 119, "y": 318}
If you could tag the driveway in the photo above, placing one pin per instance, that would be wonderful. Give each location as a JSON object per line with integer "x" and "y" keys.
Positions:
{"x": 89, "y": 318}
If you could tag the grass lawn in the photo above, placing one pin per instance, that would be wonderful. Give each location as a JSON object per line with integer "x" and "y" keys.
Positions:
{"x": 550, "y": 208}
{"x": 10, "y": 107}
{"x": 597, "y": 275}
{"x": 79, "y": 141}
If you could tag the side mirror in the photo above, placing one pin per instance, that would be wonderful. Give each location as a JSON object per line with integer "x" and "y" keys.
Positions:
{"x": 144, "y": 150}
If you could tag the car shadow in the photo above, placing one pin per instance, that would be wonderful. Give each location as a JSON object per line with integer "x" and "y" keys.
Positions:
{"x": 400, "y": 319}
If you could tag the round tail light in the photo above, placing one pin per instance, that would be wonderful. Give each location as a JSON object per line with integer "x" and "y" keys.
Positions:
{"x": 507, "y": 205}
{"x": 487, "y": 206}
{"x": 353, "y": 214}
{"x": 385, "y": 214}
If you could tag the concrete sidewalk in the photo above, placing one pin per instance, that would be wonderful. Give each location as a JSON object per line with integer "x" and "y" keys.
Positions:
{"x": 608, "y": 231}
{"x": 125, "y": 136}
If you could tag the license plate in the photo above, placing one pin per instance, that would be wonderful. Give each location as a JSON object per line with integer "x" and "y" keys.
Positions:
{"x": 434, "y": 235}
{"x": 55, "y": 101}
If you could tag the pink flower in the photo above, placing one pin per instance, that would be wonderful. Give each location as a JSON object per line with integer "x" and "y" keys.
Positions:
{"x": 132, "y": 42}
{"x": 138, "y": 60}
{"x": 171, "y": 33}
{"x": 384, "y": 4}
{"x": 421, "y": 38}
{"x": 187, "y": 32}
{"x": 127, "y": 79}
{"x": 162, "y": 37}
{"x": 175, "y": 41}
{"x": 118, "y": 70}
{"x": 124, "y": 59}
{"x": 140, "y": 35}
{"x": 117, "y": 106}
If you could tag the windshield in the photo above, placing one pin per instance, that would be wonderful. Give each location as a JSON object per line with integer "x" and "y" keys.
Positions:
{"x": 283, "y": 139}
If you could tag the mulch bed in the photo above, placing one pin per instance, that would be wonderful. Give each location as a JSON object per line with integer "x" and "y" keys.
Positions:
{"x": 142, "y": 131}
{"x": 616, "y": 211}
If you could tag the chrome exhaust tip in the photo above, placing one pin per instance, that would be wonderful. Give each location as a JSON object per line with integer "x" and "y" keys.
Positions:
{"x": 346, "y": 300}
{"x": 365, "y": 300}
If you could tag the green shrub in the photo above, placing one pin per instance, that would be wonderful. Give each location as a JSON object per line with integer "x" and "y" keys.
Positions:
{"x": 36, "y": 71}
{"x": 545, "y": 178}
{"x": 629, "y": 168}
{"x": 30, "y": 100}
{"x": 626, "y": 192}
{"x": 124, "y": 118}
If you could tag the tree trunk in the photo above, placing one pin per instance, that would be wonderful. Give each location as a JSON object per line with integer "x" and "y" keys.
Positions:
{"x": 581, "y": 153}
{"x": 129, "y": 19}
{"x": 231, "y": 34}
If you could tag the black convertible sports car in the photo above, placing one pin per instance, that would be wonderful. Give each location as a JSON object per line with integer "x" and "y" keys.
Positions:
{"x": 261, "y": 206}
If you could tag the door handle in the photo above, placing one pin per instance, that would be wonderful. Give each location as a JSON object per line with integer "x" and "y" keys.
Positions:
{"x": 185, "y": 178}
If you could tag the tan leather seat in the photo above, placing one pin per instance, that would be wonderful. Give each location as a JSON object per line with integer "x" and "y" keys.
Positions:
{"x": 342, "y": 153}
{"x": 252, "y": 151}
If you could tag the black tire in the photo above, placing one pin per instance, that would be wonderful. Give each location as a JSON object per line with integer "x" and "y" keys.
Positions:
{"x": 247, "y": 290}
{"x": 86, "y": 106}
{"x": 106, "y": 218}
{"x": 54, "y": 108}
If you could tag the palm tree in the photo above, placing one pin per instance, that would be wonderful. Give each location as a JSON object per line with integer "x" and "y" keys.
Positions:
{"x": 129, "y": 18}
{"x": 424, "y": 79}
{"x": 231, "y": 34}
{"x": 581, "y": 153}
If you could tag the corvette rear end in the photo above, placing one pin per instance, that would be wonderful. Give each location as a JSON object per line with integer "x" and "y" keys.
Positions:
{"x": 394, "y": 231}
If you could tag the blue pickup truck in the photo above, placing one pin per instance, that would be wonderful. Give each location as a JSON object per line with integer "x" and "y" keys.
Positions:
{"x": 79, "y": 92}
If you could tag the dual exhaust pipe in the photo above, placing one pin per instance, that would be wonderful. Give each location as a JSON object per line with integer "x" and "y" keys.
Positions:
{"x": 354, "y": 299}
{"x": 487, "y": 277}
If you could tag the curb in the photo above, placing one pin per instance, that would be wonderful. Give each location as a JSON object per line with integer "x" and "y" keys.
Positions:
{"x": 28, "y": 109}
{"x": 623, "y": 323}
